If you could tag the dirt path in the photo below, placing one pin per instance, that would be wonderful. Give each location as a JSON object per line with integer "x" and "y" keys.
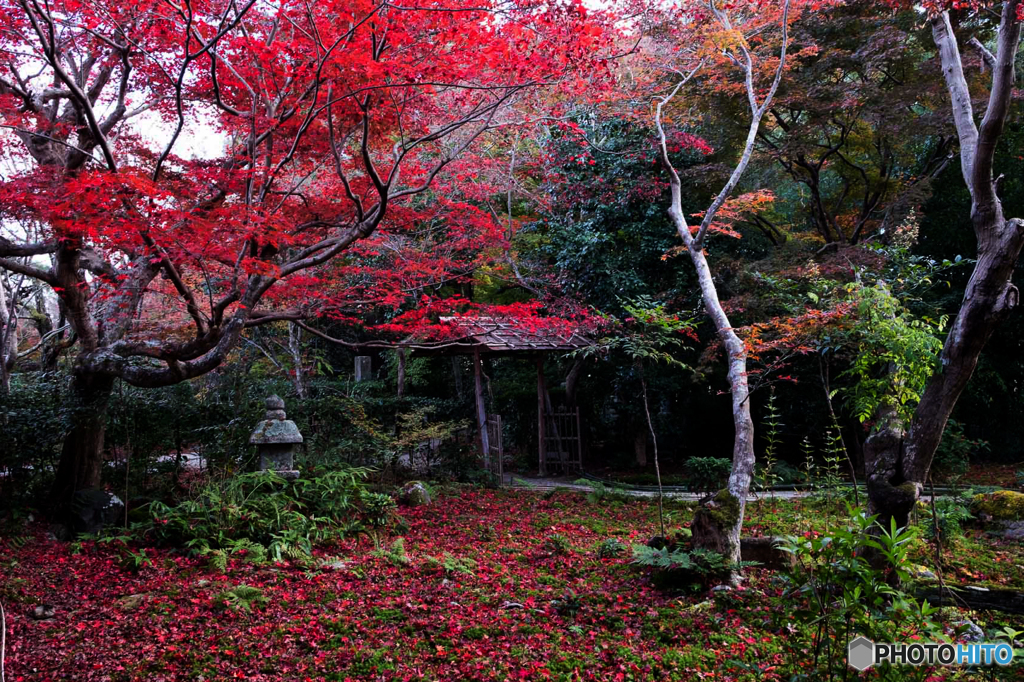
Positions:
{"x": 565, "y": 482}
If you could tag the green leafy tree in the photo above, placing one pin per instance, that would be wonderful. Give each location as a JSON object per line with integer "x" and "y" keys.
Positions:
{"x": 648, "y": 336}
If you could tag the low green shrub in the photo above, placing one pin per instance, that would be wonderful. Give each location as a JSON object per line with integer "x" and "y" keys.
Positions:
{"x": 610, "y": 548}
{"x": 395, "y": 554}
{"x": 451, "y": 564}
{"x": 557, "y": 544}
{"x": 950, "y": 517}
{"x": 706, "y": 475}
{"x": 261, "y": 515}
{"x": 953, "y": 456}
{"x": 676, "y": 565}
{"x": 600, "y": 492}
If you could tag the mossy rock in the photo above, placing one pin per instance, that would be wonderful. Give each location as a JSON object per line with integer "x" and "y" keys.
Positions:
{"x": 1005, "y": 505}
{"x": 713, "y": 521}
{"x": 724, "y": 509}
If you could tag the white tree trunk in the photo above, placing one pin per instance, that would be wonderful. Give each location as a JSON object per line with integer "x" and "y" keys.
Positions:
{"x": 717, "y": 525}
{"x": 743, "y": 442}
{"x": 295, "y": 350}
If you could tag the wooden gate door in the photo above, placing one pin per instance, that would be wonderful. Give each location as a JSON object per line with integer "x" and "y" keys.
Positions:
{"x": 563, "y": 444}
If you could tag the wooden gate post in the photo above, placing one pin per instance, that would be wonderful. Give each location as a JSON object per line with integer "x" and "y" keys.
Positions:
{"x": 481, "y": 412}
{"x": 541, "y": 431}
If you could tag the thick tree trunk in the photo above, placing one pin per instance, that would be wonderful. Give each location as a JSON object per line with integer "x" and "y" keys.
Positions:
{"x": 890, "y": 496}
{"x": 572, "y": 382}
{"x": 401, "y": 372}
{"x": 481, "y": 409}
{"x": 8, "y": 337}
{"x": 897, "y": 463}
{"x": 81, "y": 458}
{"x": 897, "y": 466}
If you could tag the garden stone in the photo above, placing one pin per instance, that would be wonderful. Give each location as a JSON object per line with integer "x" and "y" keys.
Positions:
{"x": 58, "y": 532}
{"x": 364, "y": 368}
{"x": 415, "y": 494}
{"x": 1003, "y": 505}
{"x": 1014, "y": 531}
{"x": 764, "y": 551}
{"x": 43, "y": 612}
{"x": 922, "y": 573}
{"x": 974, "y": 597}
{"x": 92, "y": 509}
{"x": 658, "y": 542}
{"x": 973, "y": 633}
{"x": 722, "y": 588}
{"x": 275, "y": 439}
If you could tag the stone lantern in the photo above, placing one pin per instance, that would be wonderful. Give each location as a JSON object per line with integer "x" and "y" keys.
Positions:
{"x": 275, "y": 439}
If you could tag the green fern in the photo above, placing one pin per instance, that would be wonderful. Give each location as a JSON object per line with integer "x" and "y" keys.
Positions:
{"x": 241, "y": 598}
{"x": 217, "y": 559}
{"x": 452, "y": 565}
{"x": 394, "y": 554}
{"x": 700, "y": 561}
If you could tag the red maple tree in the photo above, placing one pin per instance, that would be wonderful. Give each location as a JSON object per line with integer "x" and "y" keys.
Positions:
{"x": 312, "y": 127}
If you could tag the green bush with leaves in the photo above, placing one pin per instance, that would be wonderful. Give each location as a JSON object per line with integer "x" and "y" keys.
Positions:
{"x": 706, "y": 475}
{"x": 34, "y": 417}
{"x": 600, "y": 492}
{"x": 953, "y": 456}
{"x": 557, "y": 544}
{"x": 452, "y": 565}
{"x": 895, "y": 355}
{"x": 610, "y": 549}
{"x": 261, "y": 515}
{"x": 948, "y": 519}
{"x": 395, "y": 554}
{"x": 767, "y": 475}
{"x": 844, "y": 594}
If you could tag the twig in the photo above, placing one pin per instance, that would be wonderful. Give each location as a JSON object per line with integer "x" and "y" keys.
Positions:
{"x": 657, "y": 469}
{"x": 839, "y": 431}
{"x": 938, "y": 551}
{"x": 3, "y": 641}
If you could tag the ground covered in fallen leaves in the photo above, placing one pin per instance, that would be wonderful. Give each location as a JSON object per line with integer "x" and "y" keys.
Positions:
{"x": 485, "y": 585}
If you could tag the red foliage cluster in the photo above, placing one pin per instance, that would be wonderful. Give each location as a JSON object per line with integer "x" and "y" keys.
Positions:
{"x": 340, "y": 173}
{"x": 794, "y": 335}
